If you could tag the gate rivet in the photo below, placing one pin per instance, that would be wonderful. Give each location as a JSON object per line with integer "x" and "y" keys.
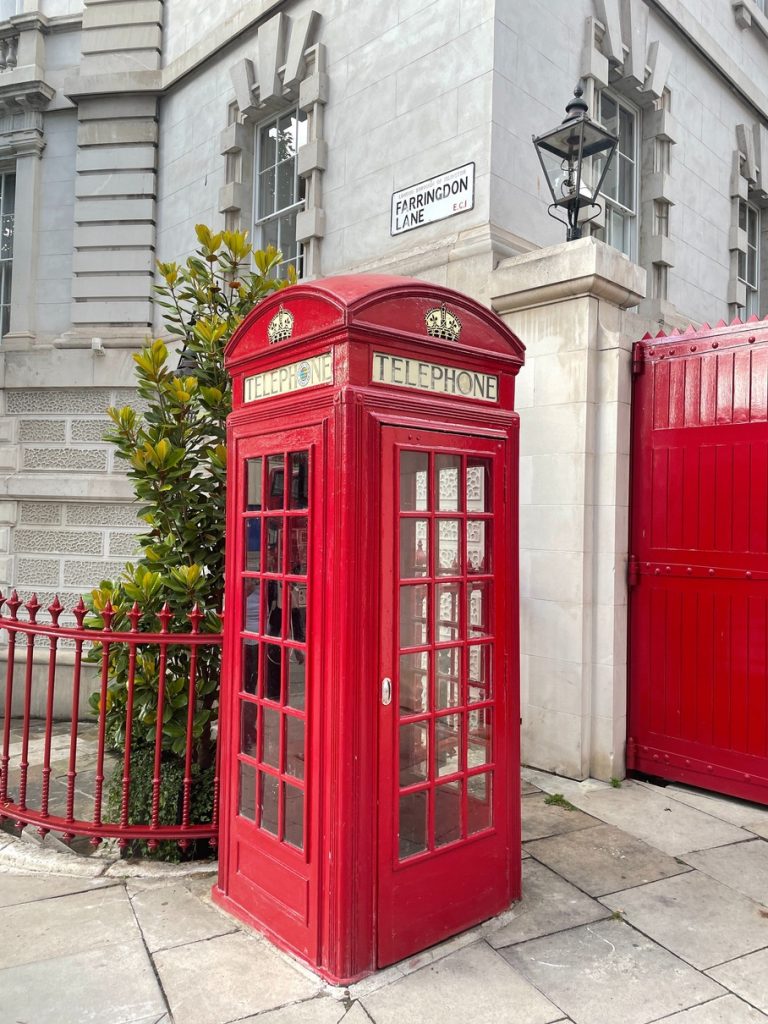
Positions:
{"x": 693, "y": 348}
{"x": 747, "y": 778}
{"x": 671, "y": 351}
{"x": 715, "y": 344}
{"x": 749, "y": 575}
{"x": 657, "y": 572}
{"x": 668, "y": 568}
{"x": 689, "y": 570}
{"x": 711, "y": 572}
{"x": 751, "y": 339}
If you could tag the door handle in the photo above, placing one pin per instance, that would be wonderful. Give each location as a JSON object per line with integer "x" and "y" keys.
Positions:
{"x": 386, "y": 690}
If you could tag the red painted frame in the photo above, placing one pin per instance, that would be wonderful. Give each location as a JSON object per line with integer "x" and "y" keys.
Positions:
{"x": 350, "y": 318}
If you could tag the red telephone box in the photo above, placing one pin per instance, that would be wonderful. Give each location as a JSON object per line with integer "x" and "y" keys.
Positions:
{"x": 369, "y": 701}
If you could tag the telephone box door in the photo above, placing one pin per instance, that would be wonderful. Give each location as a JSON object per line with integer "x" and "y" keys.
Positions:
{"x": 445, "y": 757}
{"x": 272, "y": 856}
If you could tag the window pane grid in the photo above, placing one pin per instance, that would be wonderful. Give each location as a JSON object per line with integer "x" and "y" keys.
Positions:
{"x": 274, "y": 639}
{"x": 279, "y": 189}
{"x": 619, "y": 190}
{"x": 443, "y": 661}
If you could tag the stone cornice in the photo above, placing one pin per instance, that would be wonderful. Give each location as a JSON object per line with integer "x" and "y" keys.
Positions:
{"x": 749, "y": 15}
{"x": 27, "y": 94}
{"x": 715, "y": 54}
{"x": 587, "y": 268}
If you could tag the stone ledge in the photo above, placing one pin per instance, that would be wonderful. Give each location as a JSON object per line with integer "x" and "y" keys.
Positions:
{"x": 586, "y": 267}
{"x": 72, "y": 487}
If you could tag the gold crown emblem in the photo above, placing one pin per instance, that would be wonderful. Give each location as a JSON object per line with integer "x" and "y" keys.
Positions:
{"x": 442, "y": 324}
{"x": 280, "y": 326}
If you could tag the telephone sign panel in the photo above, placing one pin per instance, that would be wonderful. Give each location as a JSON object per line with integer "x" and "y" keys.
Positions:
{"x": 369, "y": 703}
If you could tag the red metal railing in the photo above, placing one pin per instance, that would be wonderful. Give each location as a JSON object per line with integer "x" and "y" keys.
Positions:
{"x": 32, "y": 803}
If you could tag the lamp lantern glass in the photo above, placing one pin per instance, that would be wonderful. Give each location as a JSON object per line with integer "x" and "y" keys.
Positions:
{"x": 563, "y": 153}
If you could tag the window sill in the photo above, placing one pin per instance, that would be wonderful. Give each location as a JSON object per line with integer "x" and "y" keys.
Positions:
{"x": 749, "y": 15}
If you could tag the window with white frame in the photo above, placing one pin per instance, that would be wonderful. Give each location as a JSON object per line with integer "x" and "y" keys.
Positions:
{"x": 749, "y": 261}
{"x": 280, "y": 192}
{"x": 619, "y": 192}
{"x": 7, "y": 200}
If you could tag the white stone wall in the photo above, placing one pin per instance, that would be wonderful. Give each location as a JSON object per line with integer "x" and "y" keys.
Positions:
{"x": 56, "y": 225}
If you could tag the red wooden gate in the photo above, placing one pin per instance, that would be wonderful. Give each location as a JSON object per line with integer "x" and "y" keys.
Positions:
{"x": 698, "y": 570}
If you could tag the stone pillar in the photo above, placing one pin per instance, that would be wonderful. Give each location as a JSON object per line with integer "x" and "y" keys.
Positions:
{"x": 116, "y": 163}
{"x": 568, "y": 305}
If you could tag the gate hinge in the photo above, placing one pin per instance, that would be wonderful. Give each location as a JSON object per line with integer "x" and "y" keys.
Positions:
{"x": 633, "y": 571}
{"x": 638, "y": 358}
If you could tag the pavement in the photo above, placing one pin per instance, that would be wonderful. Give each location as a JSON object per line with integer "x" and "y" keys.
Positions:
{"x": 640, "y": 904}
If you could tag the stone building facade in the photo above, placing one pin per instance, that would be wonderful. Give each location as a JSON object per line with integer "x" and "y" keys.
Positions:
{"x": 123, "y": 123}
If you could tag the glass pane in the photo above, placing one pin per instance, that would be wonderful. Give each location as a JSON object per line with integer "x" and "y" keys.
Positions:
{"x": 608, "y": 113}
{"x": 294, "y": 746}
{"x": 9, "y": 194}
{"x": 247, "y": 799}
{"x": 742, "y": 266}
{"x": 626, "y": 132}
{"x": 297, "y": 680}
{"x": 413, "y": 616}
{"x": 270, "y": 729}
{"x": 274, "y": 554}
{"x": 477, "y": 553}
{"x": 269, "y": 234}
{"x": 275, "y": 481}
{"x": 479, "y": 802}
{"x": 447, "y": 471}
{"x": 267, "y": 192}
{"x": 448, "y": 813}
{"x": 286, "y": 176}
{"x": 299, "y": 463}
{"x": 273, "y": 613}
{"x": 447, "y": 548}
{"x": 254, "y": 486}
{"x": 413, "y": 683}
{"x": 627, "y": 184}
{"x": 286, "y": 137}
{"x": 268, "y": 802}
{"x": 268, "y": 140}
{"x": 294, "y": 816}
{"x": 250, "y": 666}
{"x": 478, "y": 485}
{"x": 297, "y": 621}
{"x": 752, "y": 266}
{"x": 251, "y": 592}
{"x": 448, "y": 745}
{"x": 479, "y": 609}
{"x": 414, "y": 467}
{"x": 448, "y": 677}
{"x": 414, "y": 740}
{"x": 742, "y": 215}
{"x": 479, "y": 681}
{"x": 479, "y": 738}
{"x": 413, "y": 548}
{"x": 413, "y": 824}
{"x": 297, "y": 546}
{"x": 447, "y": 600}
{"x": 253, "y": 545}
{"x": 248, "y": 728}
{"x": 273, "y": 671}
{"x": 288, "y": 237}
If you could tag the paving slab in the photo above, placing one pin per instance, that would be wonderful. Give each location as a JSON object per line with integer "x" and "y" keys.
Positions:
{"x": 69, "y": 924}
{"x": 743, "y": 867}
{"x": 604, "y": 859}
{"x": 321, "y": 1010}
{"x": 473, "y": 984}
{"x": 171, "y": 916}
{"x": 658, "y": 820}
{"x": 549, "y": 904}
{"x": 608, "y": 972}
{"x": 696, "y": 917}
{"x": 723, "y": 1010}
{"x": 541, "y": 819}
{"x": 16, "y": 889}
{"x": 727, "y": 808}
{"x": 229, "y": 977}
{"x": 357, "y": 1015}
{"x": 747, "y": 977}
{"x": 113, "y": 986}
{"x": 527, "y": 789}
